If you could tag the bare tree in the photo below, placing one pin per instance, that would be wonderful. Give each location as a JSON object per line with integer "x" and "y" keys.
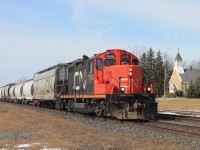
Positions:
{"x": 168, "y": 61}
{"x": 138, "y": 50}
{"x": 194, "y": 64}
{"x": 22, "y": 79}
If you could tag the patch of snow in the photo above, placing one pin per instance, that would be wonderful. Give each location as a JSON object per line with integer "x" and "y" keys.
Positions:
{"x": 167, "y": 113}
{"x": 26, "y": 145}
{"x": 23, "y": 146}
{"x": 45, "y": 148}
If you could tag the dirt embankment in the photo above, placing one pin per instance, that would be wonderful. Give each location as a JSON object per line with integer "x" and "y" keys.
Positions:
{"x": 19, "y": 125}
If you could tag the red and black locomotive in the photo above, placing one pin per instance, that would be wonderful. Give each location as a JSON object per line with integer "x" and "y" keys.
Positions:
{"x": 109, "y": 84}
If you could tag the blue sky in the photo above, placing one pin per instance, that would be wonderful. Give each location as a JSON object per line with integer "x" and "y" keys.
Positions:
{"x": 36, "y": 34}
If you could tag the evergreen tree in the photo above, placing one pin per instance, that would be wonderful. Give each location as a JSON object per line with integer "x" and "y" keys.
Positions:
{"x": 159, "y": 74}
{"x": 197, "y": 88}
{"x": 143, "y": 64}
{"x": 194, "y": 89}
{"x": 153, "y": 69}
{"x": 150, "y": 64}
{"x": 191, "y": 91}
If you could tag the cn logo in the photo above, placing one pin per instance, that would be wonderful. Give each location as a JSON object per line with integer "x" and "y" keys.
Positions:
{"x": 81, "y": 80}
{"x": 135, "y": 82}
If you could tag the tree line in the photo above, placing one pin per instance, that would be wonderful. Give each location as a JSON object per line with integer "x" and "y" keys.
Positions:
{"x": 154, "y": 66}
{"x": 157, "y": 68}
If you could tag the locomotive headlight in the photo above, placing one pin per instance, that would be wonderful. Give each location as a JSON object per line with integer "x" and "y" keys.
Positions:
{"x": 149, "y": 89}
{"x": 122, "y": 89}
{"x": 130, "y": 73}
{"x": 130, "y": 69}
{"x": 144, "y": 89}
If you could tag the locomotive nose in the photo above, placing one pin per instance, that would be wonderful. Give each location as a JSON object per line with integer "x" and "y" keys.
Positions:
{"x": 128, "y": 78}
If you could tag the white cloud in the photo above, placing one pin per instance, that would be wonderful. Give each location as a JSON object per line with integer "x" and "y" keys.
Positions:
{"x": 104, "y": 32}
{"x": 181, "y": 13}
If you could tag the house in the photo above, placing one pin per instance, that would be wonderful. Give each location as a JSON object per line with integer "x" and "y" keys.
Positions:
{"x": 181, "y": 78}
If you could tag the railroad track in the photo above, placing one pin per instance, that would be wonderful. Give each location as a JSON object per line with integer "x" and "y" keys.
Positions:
{"x": 189, "y": 130}
{"x": 197, "y": 120}
{"x": 176, "y": 117}
{"x": 167, "y": 117}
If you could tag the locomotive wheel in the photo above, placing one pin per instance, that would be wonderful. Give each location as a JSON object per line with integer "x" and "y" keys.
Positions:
{"x": 100, "y": 109}
{"x": 98, "y": 112}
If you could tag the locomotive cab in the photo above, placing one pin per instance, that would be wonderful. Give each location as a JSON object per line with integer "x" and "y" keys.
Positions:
{"x": 117, "y": 72}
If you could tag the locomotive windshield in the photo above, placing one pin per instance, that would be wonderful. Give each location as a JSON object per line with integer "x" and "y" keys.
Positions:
{"x": 110, "y": 62}
{"x": 135, "y": 62}
{"x": 125, "y": 62}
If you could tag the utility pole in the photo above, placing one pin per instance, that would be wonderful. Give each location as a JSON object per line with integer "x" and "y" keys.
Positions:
{"x": 165, "y": 78}
{"x": 164, "y": 84}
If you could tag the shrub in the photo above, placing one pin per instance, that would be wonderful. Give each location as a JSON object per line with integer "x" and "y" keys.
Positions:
{"x": 171, "y": 95}
{"x": 194, "y": 90}
{"x": 179, "y": 93}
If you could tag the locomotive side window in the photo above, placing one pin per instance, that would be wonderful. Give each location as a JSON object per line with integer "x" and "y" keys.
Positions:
{"x": 135, "y": 62}
{"x": 99, "y": 63}
{"x": 125, "y": 62}
{"x": 90, "y": 67}
{"x": 110, "y": 62}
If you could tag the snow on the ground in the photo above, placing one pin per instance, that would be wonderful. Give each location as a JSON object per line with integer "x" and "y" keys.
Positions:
{"x": 45, "y": 148}
{"x": 25, "y": 145}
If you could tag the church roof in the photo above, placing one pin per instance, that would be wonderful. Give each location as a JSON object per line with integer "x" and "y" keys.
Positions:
{"x": 178, "y": 57}
{"x": 184, "y": 78}
{"x": 190, "y": 75}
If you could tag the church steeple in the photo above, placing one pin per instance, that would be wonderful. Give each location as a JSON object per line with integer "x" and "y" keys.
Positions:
{"x": 178, "y": 57}
{"x": 178, "y": 66}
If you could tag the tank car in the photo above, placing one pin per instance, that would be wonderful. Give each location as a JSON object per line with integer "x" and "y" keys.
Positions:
{"x": 49, "y": 84}
{"x": 28, "y": 92}
{"x": 12, "y": 97}
{"x": 5, "y": 92}
{"x": 18, "y": 92}
{"x": 1, "y": 93}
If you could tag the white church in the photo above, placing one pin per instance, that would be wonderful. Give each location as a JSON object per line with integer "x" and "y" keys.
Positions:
{"x": 181, "y": 78}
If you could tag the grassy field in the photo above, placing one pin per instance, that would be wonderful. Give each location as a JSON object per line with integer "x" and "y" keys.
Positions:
{"x": 179, "y": 104}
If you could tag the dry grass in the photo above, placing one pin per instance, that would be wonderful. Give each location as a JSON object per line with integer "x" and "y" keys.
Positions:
{"x": 48, "y": 131}
{"x": 179, "y": 104}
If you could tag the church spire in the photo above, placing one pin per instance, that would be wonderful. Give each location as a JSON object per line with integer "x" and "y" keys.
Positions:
{"x": 178, "y": 57}
{"x": 178, "y": 63}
